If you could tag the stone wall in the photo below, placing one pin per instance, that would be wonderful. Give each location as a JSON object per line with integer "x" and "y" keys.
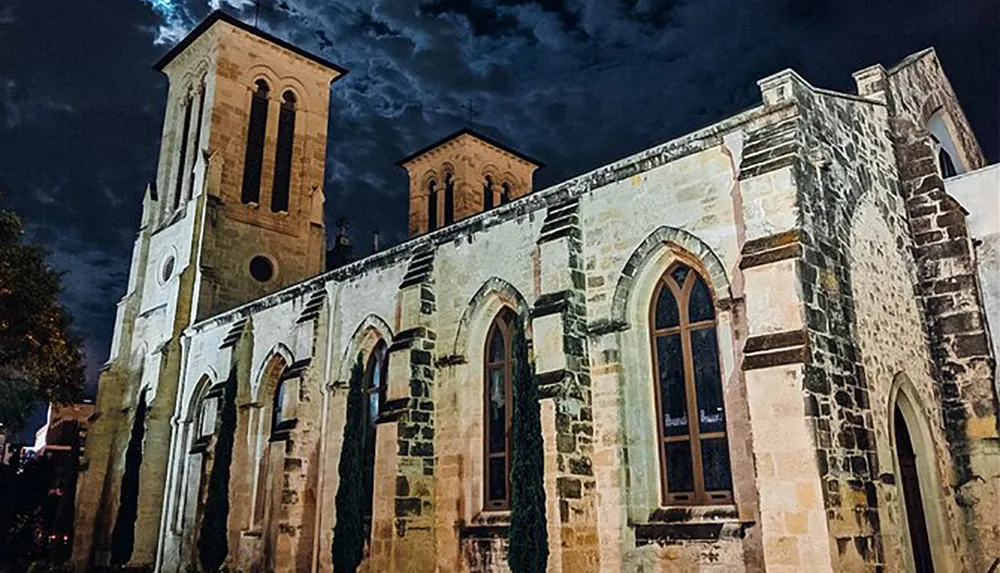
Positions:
{"x": 793, "y": 212}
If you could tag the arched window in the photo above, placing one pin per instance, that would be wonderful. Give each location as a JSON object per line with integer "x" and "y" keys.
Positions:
{"x": 432, "y": 206}
{"x": 256, "y": 130}
{"x": 267, "y": 423}
{"x": 283, "y": 153}
{"x": 498, "y": 407}
{"x": 375, "y": 378}
{"x": 279, "y": 407}
{"x": 182, "y": 160}
{"x": 488, "y": 193}
{"x": 449, "y": 198}
{"x": 691, "y": 421}
{"x": 505, "y": 193}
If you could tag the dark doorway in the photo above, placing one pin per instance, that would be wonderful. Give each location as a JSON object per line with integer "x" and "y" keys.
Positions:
{"x": 919, "y": 541}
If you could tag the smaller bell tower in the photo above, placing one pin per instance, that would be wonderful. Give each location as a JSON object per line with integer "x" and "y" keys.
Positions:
{"x": 462, "y": 175}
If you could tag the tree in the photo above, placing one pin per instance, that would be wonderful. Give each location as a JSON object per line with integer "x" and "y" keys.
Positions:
{"x": 213, "y": 539}
{"x": 39, "y": 359}
{"x": 528, "y": 548}
{"x": 348, "y": 533}
{"x": 123, "y": 534}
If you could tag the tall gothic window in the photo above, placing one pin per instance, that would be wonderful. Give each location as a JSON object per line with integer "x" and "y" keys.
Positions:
{"x": 505, "y": 193}
{"x": 197, "y": 137}
{"x": 182, "y": 160}
{"x": 498, "y": 408}
{"x": 283, "y": 154}
{"x": 432, "y": 206}
{"x": 375, "y": 379}
{"x": 256, "y": 130}
{"x": 691, "y": 420}
{"x": 266, "y": 423}
{"x": 488, "y": 193}
{"x": 449, "y": 199}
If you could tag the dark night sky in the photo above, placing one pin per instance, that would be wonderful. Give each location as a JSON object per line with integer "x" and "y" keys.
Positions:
{"x": 576, "y": 83}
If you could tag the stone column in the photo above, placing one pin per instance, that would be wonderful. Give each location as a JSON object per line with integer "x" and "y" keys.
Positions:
{"x": 562, "y": 365}
{"x": 794, "y": 526}
{"x": 410, "y": 404}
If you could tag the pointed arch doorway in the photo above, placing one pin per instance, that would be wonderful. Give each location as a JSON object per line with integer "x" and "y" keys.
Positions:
{"x": 909, "y": 482}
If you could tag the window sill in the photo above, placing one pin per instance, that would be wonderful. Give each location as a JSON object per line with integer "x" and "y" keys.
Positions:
{"x": 251, "y": 533}
{"x": 283, "y": 430}
{"x": 200, "y": 445}
{"x": 708, "y": 523}
{"x": 486, "y": 525}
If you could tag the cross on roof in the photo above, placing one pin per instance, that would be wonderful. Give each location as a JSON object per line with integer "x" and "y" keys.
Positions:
{"x": 470, "y": 110}
{"x": 257, "y": 4}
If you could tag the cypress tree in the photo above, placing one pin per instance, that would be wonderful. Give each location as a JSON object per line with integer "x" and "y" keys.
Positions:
{"x": 213, "y": 539}
{"x": 123, "y": 534}
{"x": 348, "y": 533}
{"x": 528, "y": 547}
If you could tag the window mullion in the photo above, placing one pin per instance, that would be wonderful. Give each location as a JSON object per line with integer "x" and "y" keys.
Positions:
{"x": 691, "y": 397}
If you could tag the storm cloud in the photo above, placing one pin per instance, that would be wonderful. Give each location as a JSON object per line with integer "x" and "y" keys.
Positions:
{"x": 576, "y": 83}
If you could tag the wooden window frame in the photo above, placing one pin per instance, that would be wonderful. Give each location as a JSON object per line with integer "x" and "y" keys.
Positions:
{"x": 694, "y": 437}
{"x": 504, "y": 323}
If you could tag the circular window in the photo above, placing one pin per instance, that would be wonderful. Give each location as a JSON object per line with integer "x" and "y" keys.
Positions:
{"x": 167, "y": 270}
{"x": 261, "y": 268}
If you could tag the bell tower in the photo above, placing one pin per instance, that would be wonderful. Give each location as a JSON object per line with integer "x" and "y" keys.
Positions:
{"x": 461, "y": 175}
{"x": 244, "y": 135}
{"x": 235, "y": 213}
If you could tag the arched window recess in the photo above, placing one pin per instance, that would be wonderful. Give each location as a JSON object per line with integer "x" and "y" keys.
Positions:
{"x": 256, "y": 130}
{"x": 204, "y": 419}
{"x": 432, "y": 205}
{"x": 376, "y": 373}
{"x": 284, "y": 403}
{"x": 283, "y": 153}
{"x": 691, "y": 422}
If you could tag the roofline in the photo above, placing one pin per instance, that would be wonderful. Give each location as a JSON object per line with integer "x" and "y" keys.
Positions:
{"x": 469, "y": 131}
{"x": 219, "y": 15}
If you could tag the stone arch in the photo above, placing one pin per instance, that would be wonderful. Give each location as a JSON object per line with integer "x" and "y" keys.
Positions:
{"x": 633, "y": 302}
{"x": 303, "y": 101}
{"x": 904, "y": 395}
{"x": 654, "y": 245}
{"x": 263, "y": 372}
{"x": 371, "y": 329}
{"x": 261, "y": 71}
{"x": 201, "y": 387}
{"x": 484, "y": 305}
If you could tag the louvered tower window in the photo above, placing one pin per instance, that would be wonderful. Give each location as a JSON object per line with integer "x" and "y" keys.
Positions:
{"x": 488, "y": 193}
{"x": 283, "y": 154}
{"x": 197, "y": 138}
{"x": 449, "y": 199}
{"x": 432, "y": 206}
{"x": 256, "y": 131}
{"x": 182, "y": 160}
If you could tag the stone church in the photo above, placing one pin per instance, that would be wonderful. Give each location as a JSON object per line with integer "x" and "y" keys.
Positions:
{"x": 765, "y": 345}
